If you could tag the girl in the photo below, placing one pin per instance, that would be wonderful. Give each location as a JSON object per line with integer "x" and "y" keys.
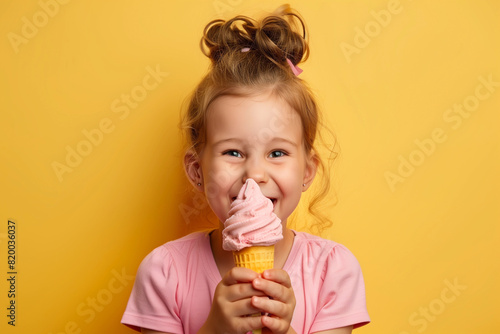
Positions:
{"x": 250, "y": 117}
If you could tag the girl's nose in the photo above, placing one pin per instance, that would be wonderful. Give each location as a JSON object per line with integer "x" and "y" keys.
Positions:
{"x": 255, "y": 169}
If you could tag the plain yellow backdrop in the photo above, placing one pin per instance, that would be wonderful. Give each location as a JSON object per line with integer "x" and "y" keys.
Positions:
{"x": 91, "y": 153}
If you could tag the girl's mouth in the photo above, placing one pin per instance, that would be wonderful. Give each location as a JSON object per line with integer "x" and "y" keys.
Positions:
{"x": 273, "y": 200}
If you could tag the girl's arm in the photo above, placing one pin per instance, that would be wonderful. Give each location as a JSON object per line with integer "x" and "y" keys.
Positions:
{"x": 343, "y": 330}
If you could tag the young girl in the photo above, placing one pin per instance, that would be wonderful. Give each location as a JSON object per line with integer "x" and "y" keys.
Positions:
{"x": 250, "y": 117}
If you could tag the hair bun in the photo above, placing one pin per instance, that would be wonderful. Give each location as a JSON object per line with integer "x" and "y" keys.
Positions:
{"x": 276, "y": 37}
{"x": 221, "y": 37}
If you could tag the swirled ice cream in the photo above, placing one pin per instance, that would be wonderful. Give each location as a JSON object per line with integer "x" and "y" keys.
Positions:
{"x": 251, "y": 221}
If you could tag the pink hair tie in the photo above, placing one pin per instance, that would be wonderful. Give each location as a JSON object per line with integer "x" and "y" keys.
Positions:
{"x": 295, "y": 69}
{"x": 245, "y": 49}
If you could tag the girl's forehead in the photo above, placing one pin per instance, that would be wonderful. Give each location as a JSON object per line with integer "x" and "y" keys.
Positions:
{"x": 252, "y": 114}
{"x": 256, "y": 106}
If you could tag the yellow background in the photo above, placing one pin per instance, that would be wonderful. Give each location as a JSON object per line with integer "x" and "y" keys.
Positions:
{"x": 413, "y": 239}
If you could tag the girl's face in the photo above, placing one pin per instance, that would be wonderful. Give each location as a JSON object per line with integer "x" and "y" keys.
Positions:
{"x": 258, "y": 137}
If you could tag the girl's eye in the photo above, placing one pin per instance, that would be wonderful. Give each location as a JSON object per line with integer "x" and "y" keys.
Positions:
{"x": 277, "y": 154}
{"x": 233, "y": 153}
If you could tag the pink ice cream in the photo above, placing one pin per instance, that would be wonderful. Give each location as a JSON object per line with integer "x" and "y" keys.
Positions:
{"x": 251, "y": 221}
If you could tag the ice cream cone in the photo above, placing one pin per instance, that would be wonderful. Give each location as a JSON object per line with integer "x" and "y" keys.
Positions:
{"x": 257, "y": 258}
{"x": 251, "y": 230}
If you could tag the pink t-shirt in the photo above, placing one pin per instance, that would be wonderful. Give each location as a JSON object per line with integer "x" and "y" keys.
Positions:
{"x": 175, "y": 284}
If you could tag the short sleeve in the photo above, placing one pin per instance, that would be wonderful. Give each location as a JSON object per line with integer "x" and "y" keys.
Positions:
{"x": 153, "y": 303}
{"x": 342, "y": 299}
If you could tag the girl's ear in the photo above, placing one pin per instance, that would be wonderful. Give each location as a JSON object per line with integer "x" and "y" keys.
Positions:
{"x": 192, "y": 167}
{"x": 310, "y": 171}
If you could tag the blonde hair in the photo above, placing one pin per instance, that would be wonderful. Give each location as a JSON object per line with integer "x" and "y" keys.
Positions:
{"x": 248, "y": 57}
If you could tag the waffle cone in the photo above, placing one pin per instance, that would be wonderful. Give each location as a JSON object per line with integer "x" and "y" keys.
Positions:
{"x": 257, "y": 258}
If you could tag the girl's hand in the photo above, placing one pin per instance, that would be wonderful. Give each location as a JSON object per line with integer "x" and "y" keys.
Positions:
{"x": 233, "y": 302}
{"x": 276, "y": 284}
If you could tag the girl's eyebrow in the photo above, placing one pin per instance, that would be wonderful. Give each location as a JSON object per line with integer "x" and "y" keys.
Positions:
{"x": 286, "y": 140}
{"x": 273, "y": 139}
{"x": 221, "y": 141}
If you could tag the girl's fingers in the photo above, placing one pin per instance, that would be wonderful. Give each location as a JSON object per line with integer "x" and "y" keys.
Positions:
{"x": 274, "y": 290}
{"x": 242, "y": 291}
{"x": 270, "y": 306}
{"x": 245, "y": 311}
{"x": 250, "y": 323}
{"x": 279, "y": 301}
{"x": 243, "y": 307}
{"x": 237, "y": 285}
{"x": 239, "y": 275}
{"x": 279, "y": 276}
{"x": 274, "y": 324}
